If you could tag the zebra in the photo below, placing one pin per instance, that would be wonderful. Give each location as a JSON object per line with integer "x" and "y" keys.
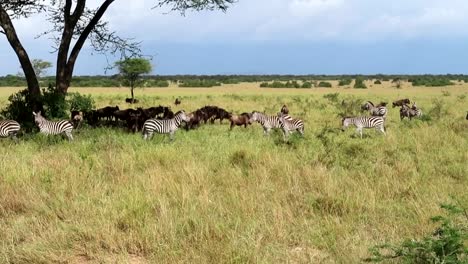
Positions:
{"x": 53, "y": 128}
{"x": 267, "y": 122}
{"x": 165, "y": 126}
{"x": 361, "y": 122}
{"x": 9, "y": 128}
{"x": 379, "y": 110}
{"x": 288, "y": 125}
{"x": 410, "y": 112}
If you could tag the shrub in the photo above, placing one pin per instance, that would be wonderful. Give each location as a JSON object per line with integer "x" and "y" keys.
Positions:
{"x": 348, "y": 107}
{"x": 54, "y": 102}
{"x": 445, "y": 93}
{"x": 306, "y": 85}
{"x": 360, "y": 84}
{"x": 278, "y": 84}
{"x": 431, "y": 81}
{"x": 447, "y": 244}
{"x": 324, "y": 84}
{"x": 438, "y": 110}
{"x": 377, "y": 82}
{"x": 345, "y": 82}
{"x": 79, "y": 102}
{"x": 199, "y": 83}
{"x": 19, "y": 109}
{"x": 332, "y": 97}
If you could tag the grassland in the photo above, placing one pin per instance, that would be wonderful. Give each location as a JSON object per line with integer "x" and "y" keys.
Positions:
{"x": 214, "y": 196}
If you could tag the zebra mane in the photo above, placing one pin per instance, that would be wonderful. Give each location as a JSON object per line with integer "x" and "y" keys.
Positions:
{"x": 369, "y": 102}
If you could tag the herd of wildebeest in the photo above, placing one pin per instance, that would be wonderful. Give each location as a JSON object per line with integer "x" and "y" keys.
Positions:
{"x": 161, "y": 119}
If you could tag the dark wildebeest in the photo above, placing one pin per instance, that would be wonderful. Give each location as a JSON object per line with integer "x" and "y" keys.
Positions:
{"x": 107, "y": 112}
{"x": 177, "y": 101}
{"x": 400, "y": 102}
{"x": 91, "y": 117}
{"x": 466, "y": 115}
{"x": 195, "y": 119}
{"x": 221, "y": 114}
{"x": 284, "y": 110}
{"x": 131, "y": 101}
{"x": 240, "y": 120}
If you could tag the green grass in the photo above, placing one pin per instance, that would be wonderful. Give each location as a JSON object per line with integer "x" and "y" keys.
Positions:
{"x": 214, "y": 196}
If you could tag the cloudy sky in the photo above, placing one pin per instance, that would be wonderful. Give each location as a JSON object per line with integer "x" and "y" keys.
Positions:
{"x": 280, "y": 37}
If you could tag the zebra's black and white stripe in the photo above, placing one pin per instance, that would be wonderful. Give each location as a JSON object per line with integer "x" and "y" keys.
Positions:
{"x": 410, "y": 112}
{"x": 361, "y": 122}
{"x": 375, "y": 110}
{"x": 9, "y": 128}
{"x": 268, "y": 122}
{"x": 53, "y": 127}
{"x": 290, "y": 125}
{"x": 166, "y": 126}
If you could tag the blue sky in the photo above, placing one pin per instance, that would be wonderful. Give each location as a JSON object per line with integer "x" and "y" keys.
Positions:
{"x": 280, "y": 37}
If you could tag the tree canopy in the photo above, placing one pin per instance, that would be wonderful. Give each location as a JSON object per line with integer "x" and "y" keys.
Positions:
{"x": 131, "y": 69}
{"x": 73, "y": 23}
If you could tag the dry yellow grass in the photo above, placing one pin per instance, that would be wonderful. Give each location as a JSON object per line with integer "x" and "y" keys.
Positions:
{"x": 214, "y": 196}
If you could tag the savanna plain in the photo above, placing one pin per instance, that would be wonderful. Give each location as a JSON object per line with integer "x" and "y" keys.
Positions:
{"x": 219, "y": 196}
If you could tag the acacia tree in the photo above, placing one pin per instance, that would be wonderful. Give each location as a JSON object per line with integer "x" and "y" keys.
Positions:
{"x": 131, "y": 70}
{"x": 72, "y": 24}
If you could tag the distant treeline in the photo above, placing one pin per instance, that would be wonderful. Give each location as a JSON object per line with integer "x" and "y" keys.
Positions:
{"x": 217, "y": 80}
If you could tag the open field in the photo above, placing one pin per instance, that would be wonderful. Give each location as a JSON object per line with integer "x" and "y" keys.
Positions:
{"x": 214, "y": 196}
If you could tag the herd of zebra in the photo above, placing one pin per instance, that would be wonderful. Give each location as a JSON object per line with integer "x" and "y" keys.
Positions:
{"x": 283, "y": 121}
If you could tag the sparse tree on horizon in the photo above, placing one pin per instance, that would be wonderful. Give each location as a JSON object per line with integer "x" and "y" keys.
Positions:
{"x": 131, "y": 70}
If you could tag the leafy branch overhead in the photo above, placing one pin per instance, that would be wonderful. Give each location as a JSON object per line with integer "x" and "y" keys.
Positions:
{"x": 73, "y": 23}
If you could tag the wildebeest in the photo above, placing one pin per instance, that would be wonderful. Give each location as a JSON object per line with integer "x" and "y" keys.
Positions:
{"x": 466, "y": 115}
{"x": 107, "y": 112}
{"x": 400, "y": 102}
{"x": 284, "y": 110}
{"x": 177, "y": 101}
{"x": 240, "y": 120}
{"x": 213, "y": 112}
{"x": 194, "y": 119}
{"x": 131, "y": 101}
{"x": 91, "y": 117}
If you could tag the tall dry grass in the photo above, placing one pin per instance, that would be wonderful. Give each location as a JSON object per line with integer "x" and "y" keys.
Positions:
{"x": 214, "y": 196}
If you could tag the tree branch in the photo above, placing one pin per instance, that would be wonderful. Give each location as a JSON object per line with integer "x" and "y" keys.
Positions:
{"x": 12, "y": 37}
{"x": 84, "y": 35}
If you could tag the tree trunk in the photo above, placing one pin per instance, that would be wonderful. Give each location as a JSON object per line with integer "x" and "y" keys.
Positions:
{"x": 30, "y": 75}
{"x": 133, "y": 97}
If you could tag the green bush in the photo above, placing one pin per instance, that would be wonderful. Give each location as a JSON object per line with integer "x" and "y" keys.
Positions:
{"x": 278, "y": 84}
{"x": 306, "y": 85}
{"x": 79, "y": 102}
{"x": 20, "y": 109}
{"x": 200, "y": 83}
{"x": 377, "y": 82}
{"x": 431, "y": 81}
{"x": 345, "y": 82}
{"x": 360, "y": 84}
{"x": 447, "y": 244}
{"x": 332, "y": 97}
{"x": 324, "y": 84}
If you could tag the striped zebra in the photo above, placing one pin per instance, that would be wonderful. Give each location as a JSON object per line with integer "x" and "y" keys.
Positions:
{"x": 53, "y": 127}
{"x": 410, "y": 112}
{"x": 268, "y": 122}
{"x": 166, "y": 126}
{"x": 289, "y": 125}
{"x": 9, "y": 128}
{"x": 379, "y": 110}
{"x": 361, "y": 122}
